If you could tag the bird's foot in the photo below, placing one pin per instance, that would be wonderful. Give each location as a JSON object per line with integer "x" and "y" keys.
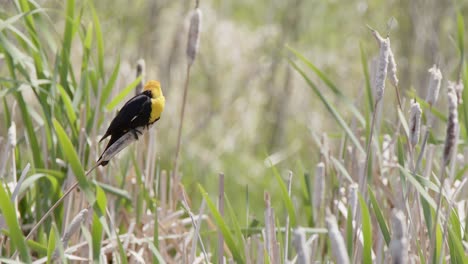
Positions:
{"x": 136, "y": 132}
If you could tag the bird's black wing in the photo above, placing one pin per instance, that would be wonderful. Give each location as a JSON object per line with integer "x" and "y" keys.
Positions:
{"x": 134, "y": 113}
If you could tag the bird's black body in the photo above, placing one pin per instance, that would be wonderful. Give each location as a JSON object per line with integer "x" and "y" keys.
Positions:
{"x": 135, "y": 113}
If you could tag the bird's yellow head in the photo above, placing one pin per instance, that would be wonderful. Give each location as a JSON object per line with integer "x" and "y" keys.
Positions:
{"x": 154, "y": 87}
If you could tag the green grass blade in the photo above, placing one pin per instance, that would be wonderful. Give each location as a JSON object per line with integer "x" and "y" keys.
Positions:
{"x": 457, "y": 252}
{"x": 32, "y": 137}
{"x": 380, "y": 218}
{"x": 72, "y": 158}
{"x": 235, "y": 222}
{"x": 11, "y": 219}
{"x": 461, "y": 38}
{"x": 155, "y": 252}
{"x": 110, "y": 84}
{"x": 114, "y": 190}
{"x": 341, "y": 169}
{"x": 349, "y": 233}
{"x": 419, "y": 188}
{"x": 99, "y": 40}
{"x": 365, "y": 69}
{"x": 122, "y": 94}
{"x": 228, "y": 238}
{"x": 330, "y": 108}
{"x": 330, "y": 85}
{"x": 285, "y": 197}
{"x": 69, "y": 110}
{"x": 366, "y": 232}
{"x": 96, "y": 235}
{"x": 156, "y": 233}
{"x": 66, "y": 45}
{"x": 122, "y": 253}
{"x": 51, "y": 244}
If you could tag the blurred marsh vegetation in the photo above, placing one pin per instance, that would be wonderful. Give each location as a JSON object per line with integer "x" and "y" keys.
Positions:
{"x": 246, "y": 105}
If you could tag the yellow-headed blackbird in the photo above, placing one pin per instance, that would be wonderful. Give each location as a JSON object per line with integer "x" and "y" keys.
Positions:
{"x": 142, "y": 110}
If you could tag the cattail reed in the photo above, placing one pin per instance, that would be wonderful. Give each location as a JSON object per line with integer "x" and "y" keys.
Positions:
{"x": 399, "y": 243}
{"x": 12, "y": 135}
{"x": 72, "y": 228}
{"x": 458, "y": 87}
{"x": 392, "y": 69}
{"x": 353, "y": 199}
{"x": 336, "y": 240}
{"x": 140, "y": 71}
{"x": 434, "y": 85}
{"x": 450, "y": 137}
{"x": 302, "y": 250}
{"x": 74, "y": 225}
{"x": 192, "y": 50}
{"x": 382, "y": 67}
{"x": 388, "y": 156}
{"x": 414, "y": 123}
{"x": 319, "y": 185}
{"x": 194, "y": 35}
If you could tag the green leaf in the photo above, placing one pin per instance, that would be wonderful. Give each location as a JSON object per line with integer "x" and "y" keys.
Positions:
{"x": 330, "y": 85}
{"x": 71, "y": 157}
{"x": 11, "y": 219}
{"x": 99, "y": 39}
{"x": 114, "y": 190}
{"x": 342, "y": 169}
{"x": 228, "y": 238}
{"x": 32, "y": 137}
{"x": 380, "y": 218}
{"x": 285, "y": 196}
{"x": 418, "y": 187}
{"x": 457, "y": 252}
{"x": 110, "y": 84}
{"x": 349, "y": 232}
{"x": 51, "y": 245}
{"x": 365, "y": 69}
{"x": 155, "y": 252}
{"x": 96, "y": 234}
{"x": 366, "y": 232}
{"x": 123, "y": 93}
{"x": 66, "y": 45}
{"x": 237, "y": 229}
{"x": 69, "y": 110}
{"x": 461, "y": 36}
{"x": 156, "y": 234}
{"x": 122, "y": 253}
{"x": 330, "y": 108}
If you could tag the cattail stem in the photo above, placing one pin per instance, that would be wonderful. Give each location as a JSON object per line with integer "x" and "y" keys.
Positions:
{"x": 221, "y": 212}
{"x": 59, "y": 201}
{"x": 175, "y": 167}
{"x": 191, "y": 52}
{"x": 363, "y": 181}
{"x": 449, "y": 149}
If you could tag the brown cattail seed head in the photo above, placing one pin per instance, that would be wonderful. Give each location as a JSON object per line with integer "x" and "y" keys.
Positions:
{"x": 434, "y": 85}
{"x": 382, "y": 66}
{"x": 450, "y": 137}
{"x": 194, "y": 35}
{"x": 392, "y": 69}
{"x": 414, "y": 123}
{"x": 399, "y": 243}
